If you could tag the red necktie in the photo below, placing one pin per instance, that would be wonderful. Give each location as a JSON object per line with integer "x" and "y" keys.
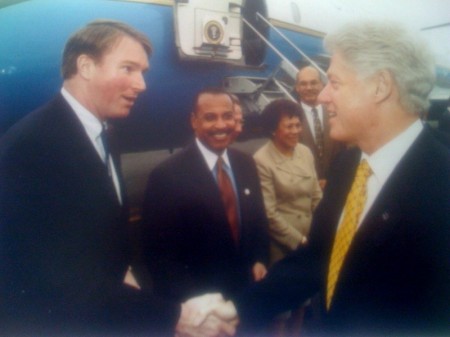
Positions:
{"x": 228, "y": 198}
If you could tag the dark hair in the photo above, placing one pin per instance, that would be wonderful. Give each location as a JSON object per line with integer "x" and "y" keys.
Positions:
{"x": 275, "y": 111}
{"x": 94, "y": 40}
{"x": 208, "y": 90}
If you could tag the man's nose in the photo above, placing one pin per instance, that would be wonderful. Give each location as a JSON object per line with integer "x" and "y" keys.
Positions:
{"x": 221, "y": 123}
{"x": 139, "y": 83}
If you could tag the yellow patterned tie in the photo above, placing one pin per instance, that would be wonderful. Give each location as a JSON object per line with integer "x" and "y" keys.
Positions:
{"x": 354, "y": 205}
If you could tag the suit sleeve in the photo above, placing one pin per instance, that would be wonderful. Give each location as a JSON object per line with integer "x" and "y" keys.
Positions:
{"x": 54, "y": 270}
{"x": 289, "y": 282}
{"x": 163, "y": 237}
{"x": 316, "y": 194}
{"x": 295, "y": 278}
{"x": 257, "y": 238}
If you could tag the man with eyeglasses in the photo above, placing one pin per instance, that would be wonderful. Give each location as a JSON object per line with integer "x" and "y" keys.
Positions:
{"x": 204, "y": 223}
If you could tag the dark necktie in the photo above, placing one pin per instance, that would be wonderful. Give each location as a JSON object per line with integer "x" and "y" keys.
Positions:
{"x": 104, "y": 138}
{"x": 318, "y": 131}
{"x": 228, "y": 198}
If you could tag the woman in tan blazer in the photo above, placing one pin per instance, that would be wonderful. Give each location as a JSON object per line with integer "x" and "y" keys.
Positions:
{"x": 289, "y": 183}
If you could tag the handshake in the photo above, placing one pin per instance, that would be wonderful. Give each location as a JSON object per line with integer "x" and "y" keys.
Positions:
{"x": 207, "y": 316}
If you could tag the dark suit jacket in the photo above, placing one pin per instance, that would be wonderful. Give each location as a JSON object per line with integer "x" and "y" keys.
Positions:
{"x": 395, "y": 278}
{"x": 64, "y": 241}
{"x": 188, "y": 243}
{"x": 330, "y": 147}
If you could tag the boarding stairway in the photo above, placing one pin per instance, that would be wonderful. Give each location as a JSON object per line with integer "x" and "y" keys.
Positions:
{"x": 256, "y": 92}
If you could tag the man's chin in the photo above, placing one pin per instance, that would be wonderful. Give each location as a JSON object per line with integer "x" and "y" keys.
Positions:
{"x": 218, "y": 148}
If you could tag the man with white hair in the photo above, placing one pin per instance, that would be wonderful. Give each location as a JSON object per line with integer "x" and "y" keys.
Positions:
{"x": 378, "y": 251}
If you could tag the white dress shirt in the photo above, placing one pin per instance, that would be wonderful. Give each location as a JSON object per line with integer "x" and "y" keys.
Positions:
{"x": 309, "y": 116}
{"x": 211, "y": 160}
{"x": 93, "y": 129}
{"x": 385, "y": 160}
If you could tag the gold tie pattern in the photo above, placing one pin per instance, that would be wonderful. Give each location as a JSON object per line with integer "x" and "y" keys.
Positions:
{"x": 228, "y": 198}
{"x": 354, "y": 205}
{"x": 318, "y": 132}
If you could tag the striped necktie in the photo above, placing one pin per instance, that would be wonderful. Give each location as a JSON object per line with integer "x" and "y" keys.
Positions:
{"x": 105, "y": 142}
{"x": 318, "y": 131}
{"x": 354, "y": 205}
{"x": 228, "y": 198}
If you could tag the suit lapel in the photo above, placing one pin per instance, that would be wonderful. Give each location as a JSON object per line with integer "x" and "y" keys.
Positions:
{"x": 203, "y": 181}
{"x": 381, "y": 218}
{"x": 390, "y": 206}
{"x": 74, "y": 145}
{"x": 200, "y": 172}
{"x": 340, "y": 187}
{"x": 239, "y": 177}
{"x": 307, "y": 137}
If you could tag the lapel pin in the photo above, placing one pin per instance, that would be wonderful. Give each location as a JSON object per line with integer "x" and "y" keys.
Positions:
{"x": 247, "y": 191}
{"x": 385, "y": 216}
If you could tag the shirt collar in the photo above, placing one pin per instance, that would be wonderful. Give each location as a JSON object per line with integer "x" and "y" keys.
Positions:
{"x": 308, "y": 108}
{"x": 91, "y": 124}
{"x": 385, "y": 159}
{"x": 211, "y": 157}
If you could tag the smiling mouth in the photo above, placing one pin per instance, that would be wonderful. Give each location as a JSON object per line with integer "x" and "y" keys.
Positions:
{"x": 220, "y": 136}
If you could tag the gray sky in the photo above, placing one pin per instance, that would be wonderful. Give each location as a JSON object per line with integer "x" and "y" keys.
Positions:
{"x": 326, "y": 15}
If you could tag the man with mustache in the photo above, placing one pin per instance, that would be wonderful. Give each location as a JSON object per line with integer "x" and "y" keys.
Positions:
{"x": 196, "y": 240}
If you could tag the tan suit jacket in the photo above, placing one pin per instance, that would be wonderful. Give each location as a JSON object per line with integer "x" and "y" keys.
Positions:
{"x": 291, "y": 192}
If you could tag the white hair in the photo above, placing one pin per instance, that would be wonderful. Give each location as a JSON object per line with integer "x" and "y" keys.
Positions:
{"x": 368, "y": 47}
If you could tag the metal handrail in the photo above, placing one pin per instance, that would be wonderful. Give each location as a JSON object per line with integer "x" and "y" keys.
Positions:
{"x": 314, "y": 64}
{"x": 262, "y": 37}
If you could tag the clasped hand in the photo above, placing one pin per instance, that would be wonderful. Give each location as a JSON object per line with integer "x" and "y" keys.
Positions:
{"x": 207, "y": 316}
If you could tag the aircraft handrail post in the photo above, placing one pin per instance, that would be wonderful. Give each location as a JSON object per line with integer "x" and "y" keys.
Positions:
{"x": 311, "y": 61}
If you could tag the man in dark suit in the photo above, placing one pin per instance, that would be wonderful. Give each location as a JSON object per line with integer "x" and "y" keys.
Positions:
{"x": 192, "y": 245}
{"x": 383, "y": 265}
{"x": 63, "y": 215}
{"x": 315, "y": 125}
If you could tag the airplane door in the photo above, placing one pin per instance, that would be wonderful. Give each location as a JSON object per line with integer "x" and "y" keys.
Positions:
{"x": 209, "y": 30}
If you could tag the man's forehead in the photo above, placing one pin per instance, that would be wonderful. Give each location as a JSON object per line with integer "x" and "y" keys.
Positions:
{"x": 214, "y": 95}
{"x": 213, "y": 100}
{"x": 308, "y": 74}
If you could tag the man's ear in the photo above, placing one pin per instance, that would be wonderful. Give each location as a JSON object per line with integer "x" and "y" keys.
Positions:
{"x": 384, "y": 85}
{"x": 85, "y": 66}
{"x": 193, "y": 121}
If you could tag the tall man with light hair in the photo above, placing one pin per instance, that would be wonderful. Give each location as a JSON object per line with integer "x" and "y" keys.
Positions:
{"x": 378, "y": 251}
{"x": 63, "y": 214}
